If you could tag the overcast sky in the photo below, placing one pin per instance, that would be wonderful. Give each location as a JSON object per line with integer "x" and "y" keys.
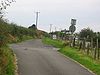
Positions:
{"x": 56, "y": 12}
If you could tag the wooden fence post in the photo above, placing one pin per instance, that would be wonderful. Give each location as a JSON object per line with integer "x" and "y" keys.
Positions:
{"x": 88, "y": 49}
{"x": 95, "y": 53}
{"x": 97, "y": 46}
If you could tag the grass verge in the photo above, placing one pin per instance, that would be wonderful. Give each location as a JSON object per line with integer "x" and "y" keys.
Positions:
{"x": 87, "y": 61}
{"x": 55, "y": 43}
{"x": 7, "y": 66}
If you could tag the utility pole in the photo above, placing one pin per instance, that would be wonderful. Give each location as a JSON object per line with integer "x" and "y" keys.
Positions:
{"x": 50, "y": 30}
{"x": 56, "y": 33}
{"x": 50, "y": 27}
{"x": 37, "y": 13}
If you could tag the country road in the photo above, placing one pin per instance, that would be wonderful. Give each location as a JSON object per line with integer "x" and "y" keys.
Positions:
{"x": 35, "y": 58}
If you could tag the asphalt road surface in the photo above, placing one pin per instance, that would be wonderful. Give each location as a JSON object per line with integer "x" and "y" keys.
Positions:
{"x": 35, "y": 58}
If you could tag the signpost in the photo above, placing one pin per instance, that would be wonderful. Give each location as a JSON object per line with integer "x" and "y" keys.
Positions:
{"x": 72, "y": 29}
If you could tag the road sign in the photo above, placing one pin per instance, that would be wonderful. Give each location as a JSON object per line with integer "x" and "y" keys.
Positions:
{"x": 72, "y": 28}
{"x": 73, "y": 21}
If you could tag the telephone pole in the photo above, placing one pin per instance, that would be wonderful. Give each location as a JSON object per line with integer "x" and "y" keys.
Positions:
{"x": 37, "y": 14}
{"x": 50, "y": 28}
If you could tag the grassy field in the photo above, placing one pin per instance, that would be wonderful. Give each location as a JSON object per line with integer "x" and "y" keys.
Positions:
{"x": 7, "y": 60}
{"x": 75, "y": 54}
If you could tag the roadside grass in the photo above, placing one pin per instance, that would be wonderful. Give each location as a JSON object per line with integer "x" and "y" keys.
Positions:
{"x": 7, "y": 66}
{"x": 24, "y": 38}
{"x": 87, "y": 61}
{"x": 20, "y": 39}
{"x": 55, "y": 43}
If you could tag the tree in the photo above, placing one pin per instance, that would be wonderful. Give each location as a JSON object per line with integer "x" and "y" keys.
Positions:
{"x": 86, "y": 33}
{"x": 3, "y": 5}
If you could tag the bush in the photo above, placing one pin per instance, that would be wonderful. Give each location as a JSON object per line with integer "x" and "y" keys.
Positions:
{"x": 3, "y": 40}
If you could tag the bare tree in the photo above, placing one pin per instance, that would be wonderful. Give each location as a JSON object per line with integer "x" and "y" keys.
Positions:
{"x": 3, "y": 6}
